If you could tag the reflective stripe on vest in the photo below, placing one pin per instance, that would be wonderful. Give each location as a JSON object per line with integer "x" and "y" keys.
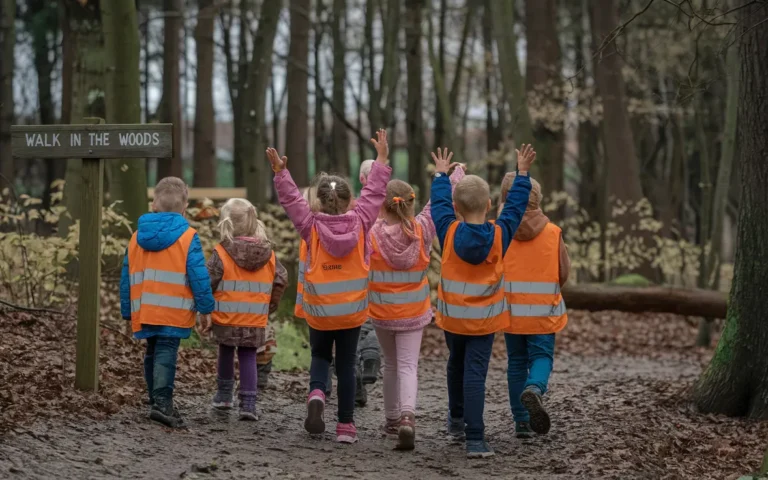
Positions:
{"x": 399, "y": 298}
{"x": 298, "y": 309}
{"x": 532, "y": 288}
{"x": 243, "y": 296}
{"x": 397, "y": 277}
{"x": 476, "y": 307}
{"x": 335, "y": 295}
{"x": 161, "y": 295}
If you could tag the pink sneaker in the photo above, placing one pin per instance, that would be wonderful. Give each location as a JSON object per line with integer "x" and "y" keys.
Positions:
{"x": 346, "y": 433}
{"x": 315, "y": 406}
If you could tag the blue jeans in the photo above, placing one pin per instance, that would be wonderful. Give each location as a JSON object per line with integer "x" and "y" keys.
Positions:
{"x": 321, "y": 343}
{"x": 160, "y": 369}
{"x": 467, "y": 370}
{"x": 529, "y": 362}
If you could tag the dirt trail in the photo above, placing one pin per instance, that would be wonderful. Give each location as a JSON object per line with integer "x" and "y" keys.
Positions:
{"x": 603, "y": 426}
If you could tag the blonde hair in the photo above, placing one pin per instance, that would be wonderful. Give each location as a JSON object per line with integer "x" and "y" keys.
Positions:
{"x": 240, "y": 219}
{"x": 471, "y": 195}
{"x": 170, "y": 195}
{"x": 534, "y": 200}
{"x": 400, "y": 203}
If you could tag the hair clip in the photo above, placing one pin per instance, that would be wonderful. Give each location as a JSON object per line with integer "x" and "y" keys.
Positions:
{"x": 413, "y": 195}
{"x": 397, "y": 199}
{"x": 333, "y": 185}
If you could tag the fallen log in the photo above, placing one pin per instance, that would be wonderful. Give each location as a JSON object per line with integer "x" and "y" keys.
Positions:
{"x": 681, "y": 301}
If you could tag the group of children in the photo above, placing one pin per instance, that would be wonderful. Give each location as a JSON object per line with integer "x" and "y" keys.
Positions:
{"x": 363, "y": 266}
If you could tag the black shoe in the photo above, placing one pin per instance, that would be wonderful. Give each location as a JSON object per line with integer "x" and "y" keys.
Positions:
{"x": 168, "y": 416}
{"x": 361, "y": 395}
{"x": 523, "y": 430}
{"x": 263, "y": 374}
{"x": 371, "y": 370}
{"x": 531, "y": 400}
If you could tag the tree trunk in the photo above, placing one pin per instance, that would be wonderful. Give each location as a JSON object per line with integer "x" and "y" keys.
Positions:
{"x": 340, "y": 144}
{"x": 442, "y": 96}
{"x": 544, "y": 80}
{"x": 496, "y": 171}
{"x": 506, "y": 42}
{"x": 736, "y": 381}
{"x": 680, "y": 301}
{"x": 7, "y": 44}
{"x": 204, "y": 160}
{"x": 128, "y": 179}
{"x": 322, "y": 158}
{"x": 439, "y": 134}
{"x": 171, "y": 101}
{"x": 414, "y": 119}
{"x": 253, "y": 102}
{"x": 297, "y": 79}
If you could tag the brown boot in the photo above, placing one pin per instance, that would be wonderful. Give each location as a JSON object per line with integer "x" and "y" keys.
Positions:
{"x": 406, "y": 434}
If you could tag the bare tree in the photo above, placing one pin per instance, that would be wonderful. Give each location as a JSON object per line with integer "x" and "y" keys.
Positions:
{"x": 171, "y": 102}
{"x": 297, "y": 79}
{"x": 204, "y": 162}
{"x": 340, "y": 149}
{"x": 414, "y": 114}
{"x": 7, "y": 43}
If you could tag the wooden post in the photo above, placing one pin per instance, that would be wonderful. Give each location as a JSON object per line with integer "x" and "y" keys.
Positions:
{"x": 87, "y": 363}
{"x": 93, "y": 143}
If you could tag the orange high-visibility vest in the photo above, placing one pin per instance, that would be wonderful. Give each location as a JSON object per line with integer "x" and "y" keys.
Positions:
{"x": 470, "y": 298}
{"x": 532, "y": 284}
{"x": 397, "y": 294}
{"x": 335, "y": 289}
{"x": 160, "y": 293}
{"x": 242, "y": 297}
{"x": 298, "y": 310}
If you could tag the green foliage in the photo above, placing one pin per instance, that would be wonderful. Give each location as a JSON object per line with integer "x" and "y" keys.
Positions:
{"x": 632, "y": 280}
{"x": 292, "y": 346}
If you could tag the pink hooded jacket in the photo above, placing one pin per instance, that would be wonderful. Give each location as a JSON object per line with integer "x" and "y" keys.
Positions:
{"x": 338, "y": 234}
{"x": 402, "y": 252}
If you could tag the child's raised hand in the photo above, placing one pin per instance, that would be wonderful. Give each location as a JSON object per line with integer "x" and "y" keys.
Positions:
{"x": 525, "y": 157}
{"x": 382, "y": 147}
{"x": 277, "y": 162}
{"x": 442, "y": 160}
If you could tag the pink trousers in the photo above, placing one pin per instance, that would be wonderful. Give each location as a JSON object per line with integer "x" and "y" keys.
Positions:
{"x": 401, "y": 364}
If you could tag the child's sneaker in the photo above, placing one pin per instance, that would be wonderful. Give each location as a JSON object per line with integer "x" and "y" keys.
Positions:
{"x": 531, "y": 400}
{"x": 455, "y": 427}
{"x": 346, "y": 433}
{"x": 168, "y": 416}
{"x": 479, "y": 449}
{"x": 406, "y": 434}
{"x": 523, "y": 430}
{"x": 314, "y": 422}
{"x": 248, "y": 406}
{"x": 223, "y": 399}
{"x": 391, "y": 426}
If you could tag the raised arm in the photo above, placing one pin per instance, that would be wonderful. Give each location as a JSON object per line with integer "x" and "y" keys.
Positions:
{"x": 425, "y": 216}
{"x": 441, "y": 196}
{"x": 517, "y": 197}
{"x": 290, "y": 197}
{"x": 375, "y": 191}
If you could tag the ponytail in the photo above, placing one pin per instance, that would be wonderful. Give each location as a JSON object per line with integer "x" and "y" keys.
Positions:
{"x": 400, "y": 202}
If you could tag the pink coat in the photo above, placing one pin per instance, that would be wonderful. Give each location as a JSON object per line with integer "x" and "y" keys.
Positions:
{"x": 402, "y": 252}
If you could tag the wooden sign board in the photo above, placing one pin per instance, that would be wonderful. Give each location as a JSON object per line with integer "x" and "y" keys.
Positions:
{"x": 92, "y": 141}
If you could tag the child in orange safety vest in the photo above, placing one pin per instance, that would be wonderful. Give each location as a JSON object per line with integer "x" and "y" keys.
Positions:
{"x": 247, "y": 281}
{"x": 471, "y": 306}
{"x": 335, "y": 296}
{"x": 163, "y": 282}
{"x": 536, "y": 265}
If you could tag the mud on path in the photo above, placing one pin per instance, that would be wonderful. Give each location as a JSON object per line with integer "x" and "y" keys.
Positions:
{"x": 618, "y": 406}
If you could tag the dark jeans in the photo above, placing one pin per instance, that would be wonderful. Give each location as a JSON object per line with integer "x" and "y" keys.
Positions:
{"x": 467, "y": 370}
{"x": 160, "y": 369}
{"x": 529, "y": 362}
{"x": 321, "y": 343}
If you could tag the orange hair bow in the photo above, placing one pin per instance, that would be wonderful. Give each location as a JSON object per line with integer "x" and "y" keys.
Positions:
{"x": 397, "y": 199}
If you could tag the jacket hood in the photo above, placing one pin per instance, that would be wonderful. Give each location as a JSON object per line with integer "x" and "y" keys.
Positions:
{"x": 398, "y": 250}
{"x": 338, "y": 234}
{"x": 248, "y": 253}
{"x": 533, "y": 223}
{"x": 158, "y": 231}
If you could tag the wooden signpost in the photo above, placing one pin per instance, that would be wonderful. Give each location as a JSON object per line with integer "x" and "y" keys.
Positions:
{"x": 93, "y": 143}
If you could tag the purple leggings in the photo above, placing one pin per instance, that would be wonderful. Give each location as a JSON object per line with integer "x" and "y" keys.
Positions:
{"x": 248, "y": 371}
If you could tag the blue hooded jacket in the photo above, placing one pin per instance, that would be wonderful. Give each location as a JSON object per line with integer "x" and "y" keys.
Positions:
{"x": 156, "y": 232}
{"x": 472, "y": 242}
